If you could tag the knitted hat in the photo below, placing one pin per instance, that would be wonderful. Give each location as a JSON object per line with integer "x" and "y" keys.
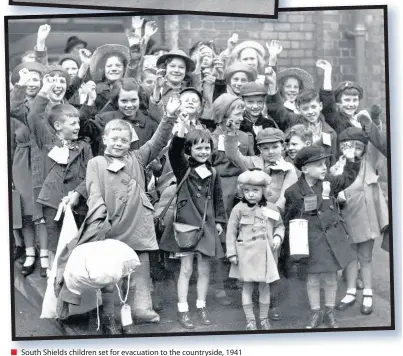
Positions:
{"x": 190, "y": 65}
{"x": 31, "y": 66}
{"x": 270, "y": 135}
{"x": 221, "y": 106}
{"x": 101, "y": 54}
{"x": 302, "y": 75}
{"x": 251, "y": 73}
{"x": 310, "y": 154}
{"x": 354, "y": 134}
{"x": 72, "y": 42}
{"x": 347, "y": 85}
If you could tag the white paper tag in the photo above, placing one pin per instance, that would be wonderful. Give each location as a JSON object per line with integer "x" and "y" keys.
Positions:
{"x": 257, "y": 129}
{"x": 298, "y": 237}
{"x": 126, "y": 315}
{"x": 116, "y": 166}
{"x": 326, "y": 138}
{"x": 260, "y": 79}
{"x": 326, "y": 190}
{"x": 272, "y": 214}
{"x": 221, "y": 146}
{"x": 59, "y": 154}
{"x": 203, "y": 172}
{"x": 134, "y": 135}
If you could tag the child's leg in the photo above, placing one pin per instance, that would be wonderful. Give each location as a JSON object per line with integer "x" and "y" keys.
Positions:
{"x": 109, "y": 326}
{"x": 349, "y": 299}
{"x": 264, "y": 304}
{"x": 18, "y": 245}
{"x": 365, "y": 258}
{"x": 222, "y": 273}
{"x": 29, "y": 236}
{"x": 313, "y": 289}
{"x": 330, "y": 287}
{"x": 247, "y": 305}
{"x": 203, "y": 278}
{"x": 183, "y": 288}
{"x": 274, "y": 313}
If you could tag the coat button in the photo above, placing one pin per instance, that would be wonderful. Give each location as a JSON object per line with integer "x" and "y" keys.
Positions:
{"x": 319, "y": 213}
{"x": 124, "y": 182}
{"x": 124, "y": 200}
{"x": 253, "y": 229}
{"x": 263, "y": 230}
{"x": 199, "y": 187}
{"x": 63, "y": 169}
{"x": 331, "y": 207}
{"x": 253, "y": 238}
{"x": 198, "y": 195}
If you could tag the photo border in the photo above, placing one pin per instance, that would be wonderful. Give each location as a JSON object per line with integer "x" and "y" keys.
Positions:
{"x": 151, "y": 11}
{"x": 201, "y": 333}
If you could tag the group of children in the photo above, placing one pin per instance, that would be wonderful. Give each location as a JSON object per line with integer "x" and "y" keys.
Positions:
{"x": 231, "y": 150}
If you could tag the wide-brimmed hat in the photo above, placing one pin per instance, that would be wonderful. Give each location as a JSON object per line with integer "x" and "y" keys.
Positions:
{"x": 60, "y": 69}
{"x": 251, "y": 73}
{"x": 248, "y": 44}
{"x": 74, "y": 41}
{"x": 98, "y": 59}
{"x": 31, "y": 66}
{"x": 71, "y": 57}
{"x": 303, "y": 75}
{"x": 190, "y": 65}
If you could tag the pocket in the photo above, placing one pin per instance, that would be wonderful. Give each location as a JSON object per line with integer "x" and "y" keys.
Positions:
{"x": 47, "y": 188}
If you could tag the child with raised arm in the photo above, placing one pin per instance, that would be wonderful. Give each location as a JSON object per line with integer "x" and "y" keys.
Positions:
{"x": 255, "y": 231}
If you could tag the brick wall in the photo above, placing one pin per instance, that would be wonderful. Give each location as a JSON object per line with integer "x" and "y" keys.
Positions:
{"x": 305, "y": 36}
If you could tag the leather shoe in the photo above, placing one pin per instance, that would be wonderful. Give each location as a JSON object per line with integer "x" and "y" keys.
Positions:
{"x": 184, "y": 320}
{"x": 145, "y": 315}
{"x": 329, "y": 318}
{"x": 315, "y": 319}
{"x": 364, "y": 309}
{"x": 27, "y": 270}
{"x": 204, "y": 316}
{"x": 275, "y": 314}
{"x": 342, "y": 306}
{"x": 251, "y": 325}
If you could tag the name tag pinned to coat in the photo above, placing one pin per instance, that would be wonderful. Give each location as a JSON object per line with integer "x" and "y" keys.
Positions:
{"x": 59, "y": 154}
{"x": 271, "y": 214}
{"x": 326, "y": 190}
{"x": 203, "y": 172}
{"x": 134, "y": 134}
{"x": 257, "y": 129}
{"x": 310, "y": 202}
{"x": 326, "y": 138}
{"x": 116, "y": 166}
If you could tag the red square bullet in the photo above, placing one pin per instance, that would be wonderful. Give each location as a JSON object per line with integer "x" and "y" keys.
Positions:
{"x": 13, "y": 352}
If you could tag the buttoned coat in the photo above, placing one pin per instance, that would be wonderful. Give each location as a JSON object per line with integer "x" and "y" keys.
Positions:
{"x": 329, "y": 249}
{"x": 191, "y": 200}
{"x": 250, "y": 233}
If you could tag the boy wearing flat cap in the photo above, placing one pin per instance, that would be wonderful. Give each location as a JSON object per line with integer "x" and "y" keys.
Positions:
{"x": 254, "y": 96}
{"x": 312, "y": 198}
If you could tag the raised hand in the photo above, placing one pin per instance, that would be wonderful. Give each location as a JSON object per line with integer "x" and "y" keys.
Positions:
{"x": 133, "y": 37}
{"x": 364, "y": 118}
{"x": 323, "y": 64}
{"x": 91, "y": 90}
{"x": 274, "y": 48}
{"x": 209, "y": 79}
{"x": 232, "y": 41}
{"x": 348, "y": 150}
{"x": 150, "y": 29}
{"x": 160, "y": 79}
{"x": 85, "y": 56}
{"x": 24, "y": 77}
{"x": 218, "y": 65}
{"x": 270, "y": 76}
{"x": 43, "y": 32}
{"x": 137, "y": 22}
{"x": 173, "y": 105}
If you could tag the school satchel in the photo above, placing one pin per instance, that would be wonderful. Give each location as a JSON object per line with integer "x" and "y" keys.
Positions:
{"x": 188, "y": 236}
{"x": 159, "y": 224}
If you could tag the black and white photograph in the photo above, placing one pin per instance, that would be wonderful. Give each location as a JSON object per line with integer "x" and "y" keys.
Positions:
{"x": 255, "y": 7}
{"x": 183, "y": 174}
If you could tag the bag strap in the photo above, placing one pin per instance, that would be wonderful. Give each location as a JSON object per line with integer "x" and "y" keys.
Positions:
{"x": 162, "y": 215}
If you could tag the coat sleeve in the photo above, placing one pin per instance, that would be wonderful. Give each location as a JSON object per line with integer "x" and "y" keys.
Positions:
{"x": 73, "y": 87}
{"x": 88, "y": 125}
{"x": 220, "y": 87}
{"x": 377, "y": 138}
{"x": 18, "y": 109}
{"x": 81, "y": 188}
{"x": 235, "y": 156}
{"x": 251, "y": 145}
{"x": 36, "y": 124}
{"x": 279, "y": 229}
{"x": 177, "y": 158}
{"x": 290, "y": 178}
{"x": 219, "y": 209}
{"x": 232, "y": 232}
{"x": 343, "y": 181}
{"x": 152, "y": 148}
{"x": 329, "y": 109}
{"x": 41, "y": 56}
{"x": 277, "y": 111}
{"x": 156, "y": 110}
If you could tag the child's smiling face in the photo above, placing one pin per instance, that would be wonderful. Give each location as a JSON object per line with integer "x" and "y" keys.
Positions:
{"x": 56, "y": 94}
{"x": 200, "y": 151}
{"x": 311, "y": 110}
{"x": 176, "y": 70}
{"x": 291, "y": 89}
{"x": 128, "y": 102}
{"x": 249, "y": 57}
{"x": 252, "y": 193}
{"x": 271, "y": 151}
{"x": 117, "y": 142}
{"x": 254, "y": 105}
{"x": 237, "y": 81}
{"x": 113, "y": 68}
{"x": 295, "y": 145}
{"x": 190, "y": 103}
{"x": 34, "y": 84}
{"x": 349, "y": 104}
{"x": 68, "y": 127}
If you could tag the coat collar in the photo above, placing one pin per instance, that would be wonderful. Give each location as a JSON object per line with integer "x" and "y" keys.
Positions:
{"x": 137, "y": 120}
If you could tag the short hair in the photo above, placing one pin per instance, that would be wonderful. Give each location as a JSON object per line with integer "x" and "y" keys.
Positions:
{"x": 300, "y": 130}
{"x": 282, "y": 81}
{"x": 118, "y": 125}
{"x": 194, "y": 137}
{"x": 127, "y": 84}
{"x": 306, "y": 96}
{"x": 59, "y": 112}
{"x": 237, "y": 104}
{"x": 348, "y": 91}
